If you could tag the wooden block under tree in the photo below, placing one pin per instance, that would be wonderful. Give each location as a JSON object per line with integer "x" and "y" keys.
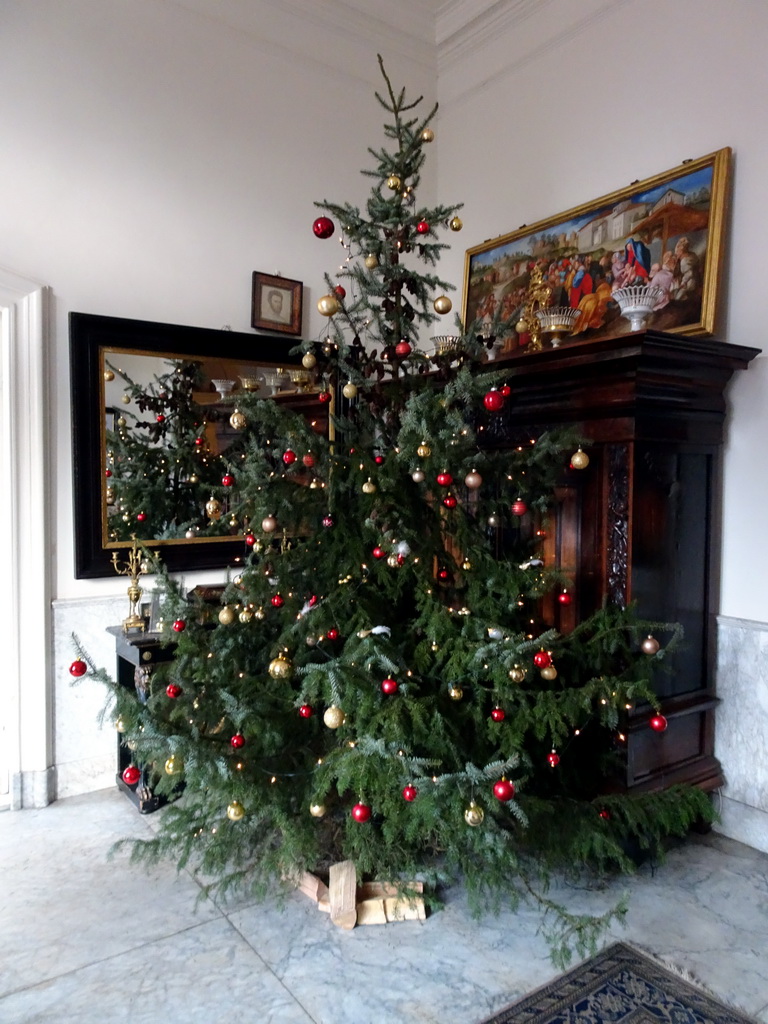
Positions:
{"x": 342, "y": 891}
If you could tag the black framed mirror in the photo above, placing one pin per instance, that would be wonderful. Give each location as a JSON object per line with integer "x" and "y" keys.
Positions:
{"x": 114, "y": 361}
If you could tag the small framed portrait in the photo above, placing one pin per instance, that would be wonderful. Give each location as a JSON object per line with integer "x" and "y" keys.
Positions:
{"x": 276, "y": 304}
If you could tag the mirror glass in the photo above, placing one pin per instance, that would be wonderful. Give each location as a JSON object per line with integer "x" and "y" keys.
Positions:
{"x": 155, "y": 432}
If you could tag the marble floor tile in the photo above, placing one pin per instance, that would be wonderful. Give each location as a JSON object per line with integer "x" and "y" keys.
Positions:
{"x": 96, "y": 940}
{"x": 206, "y": 974}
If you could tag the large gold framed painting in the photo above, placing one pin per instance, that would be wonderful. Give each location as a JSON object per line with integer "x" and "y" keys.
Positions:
{"x": 667, "y": 231}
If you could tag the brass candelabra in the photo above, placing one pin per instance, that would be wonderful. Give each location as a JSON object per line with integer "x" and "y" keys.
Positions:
{"x": 134, "y": 568}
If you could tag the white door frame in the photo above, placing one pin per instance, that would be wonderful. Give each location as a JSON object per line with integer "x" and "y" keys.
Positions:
{"x": 27, "y": 702}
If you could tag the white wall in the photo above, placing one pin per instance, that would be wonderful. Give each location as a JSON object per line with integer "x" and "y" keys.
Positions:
{"x": 578, "y": 100}
{"x": 153, "y": 157}
{"x": 573, "y": 101}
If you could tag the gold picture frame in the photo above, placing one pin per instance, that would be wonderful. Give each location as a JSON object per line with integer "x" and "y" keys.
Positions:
{"x": 276, "y": 303}
{"x": 668, "y": 230}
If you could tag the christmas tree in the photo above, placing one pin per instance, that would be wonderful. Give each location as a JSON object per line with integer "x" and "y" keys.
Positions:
{"x": 380, "y": 684}
{"x": 166, "y": 475}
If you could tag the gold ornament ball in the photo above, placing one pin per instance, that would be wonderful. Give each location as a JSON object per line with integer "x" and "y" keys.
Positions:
{"x": 442, "y": 304}
{"x": 333, "y": 717}
{"x": 549, "y": 672}
{"x": 120, "y": 725}
{"x": 371, "y": 261}
{"x": 108, "y": 375}
{"x": 237, "y": 420}
{"x": 235, "y": 811}
{"x": 213, "y": 508}
{"x": 122, "y": 421}
{"x": 126, "y": 399}
{"x": 327, "y": 305}
{"x": 269, "y": 524}
{"x": 466, "y": 564}
{"x": 455, "y": 693}
{"x": 226, "y": 616}
{"x": 308, "y": 361}
{"x": 173, "y": 765}
{"x": 473, "y": 480}
{"x": 423, "y": 451}
{"x": 318, "y": 810}
{"x": 579, "y": 460}
{"x": 394, "y": 182}
{"x": 650, "y": 645}
{"x": 369, "y": 487}
{"x": 521, "y": 326}
{"x": 193, "y": 478}
{"x": 110, "y": 495}
{"x": 349, "y": 390}
{"x": 245, "y": 615}
{"x": 517, "y": 674}
{"x": 393, "y": 560}
{"x": 455, "y": 223}
{"x": 280, "y": 667}
{"x": 474, "y": 815}
{"x": 427, "y": 135}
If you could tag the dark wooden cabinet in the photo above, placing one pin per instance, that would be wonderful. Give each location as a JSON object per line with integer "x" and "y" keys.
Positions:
{"x": 641, "y": 523}
{"x": 137, "y": 655}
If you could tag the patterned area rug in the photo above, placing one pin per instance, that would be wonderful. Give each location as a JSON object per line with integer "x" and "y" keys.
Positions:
{"x": 620, "y": 986}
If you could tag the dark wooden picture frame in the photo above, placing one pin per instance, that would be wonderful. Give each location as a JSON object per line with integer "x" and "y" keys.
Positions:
{"x": 276, "y": 303}
{"x": 676, "y": 219}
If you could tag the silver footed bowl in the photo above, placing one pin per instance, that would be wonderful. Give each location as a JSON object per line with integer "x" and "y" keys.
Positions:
{"x": 557, "y": 321}
{"x": 636, "y": 303}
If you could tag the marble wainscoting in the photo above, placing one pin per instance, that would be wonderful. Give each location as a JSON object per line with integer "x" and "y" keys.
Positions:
{"x": 741, "y": 729}
{"x": 84, "y": 751}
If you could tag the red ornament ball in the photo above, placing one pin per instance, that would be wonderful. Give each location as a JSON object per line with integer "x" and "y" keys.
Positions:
{"x": 327, "y": 522}
{"x": 198, "y": 441}
{"x": 444, "y": 479}
{"x": 564, "y": 597}
{"x": 250, "y": 540}
{"x": 141, "y": 517}
{"x": 401, "y": 559}
{"x": 361, "y": 813}
{"x": 324, "y": 397}
{"x": 443, "y": 574}
{"x": 340, "y": 291}
{"x": 308, "y": 460}
{"x": 493, "y": 400}
{"x": 179, "y": 625}
{"x": 306, "y": 711}
{"x": 506, "y": 390}
{"x": 131, "y": 775}
{"x": 173, "y": 691}
{"x": 333, "y": 633}
{"x": 498, "y": 714}
{"x": 422, "y": 227}
{"x": 389, "y": 686}
{"x": 78, "y": 668}
{"x": 227, "y": 480}
{"x": 402, "y": 349}
{"x": 553, "y": 759}
{"x": 378, "y": 552}
{"x": 378, "y": 459}
{"x": 503, "y": 790}
{"x": 277, "y": 601}
{"x": 160, "y": 418}
{"x": 542, "y": 659}
{"x": 605, "y": 815}
{"x": 658, "y": 723}
{"x": 107, "y": 473}
{"x": 289, "y": 457}
{"x": 410, "y": 793}
{"x": 449, "y": 501}
{"x": 519, "y": 508}
{"x": 323, "y": 227}
{"x": 237, "y": 741}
